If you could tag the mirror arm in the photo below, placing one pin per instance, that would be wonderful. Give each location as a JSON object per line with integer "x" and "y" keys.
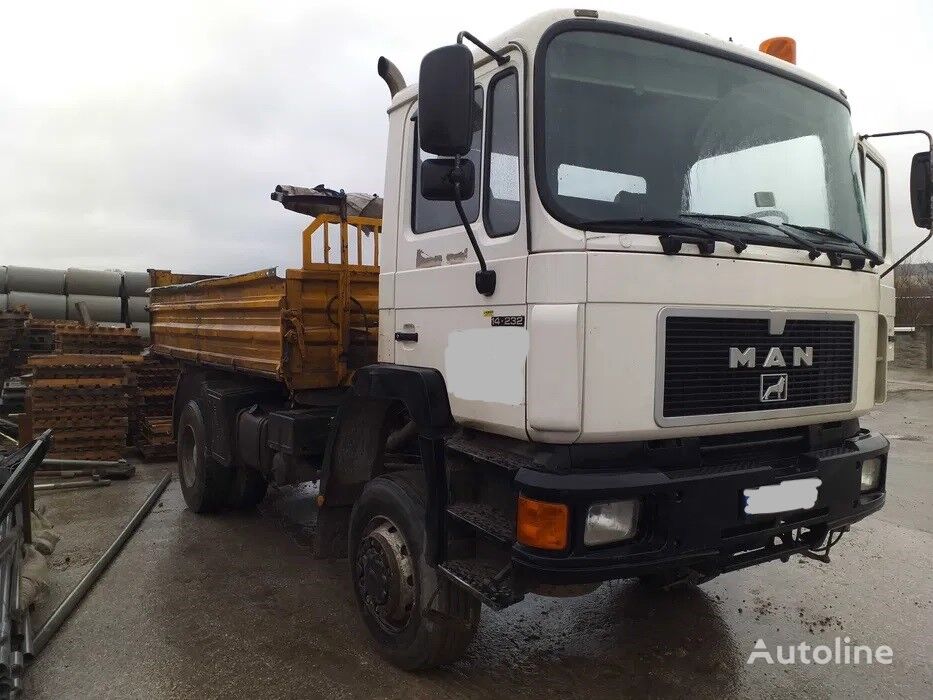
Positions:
{"x": 500, "y": 59}
{"x": 899, "y": 133}
{"x": 930, "y": 141}
{"x": 485, "y": 278}
{"x": 910, "y": 252}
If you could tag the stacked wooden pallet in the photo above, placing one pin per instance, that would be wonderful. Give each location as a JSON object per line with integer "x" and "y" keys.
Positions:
{"x": 84, "y": 399}
{"x": 97, "y": 340}
{"x": 151, "y": 429}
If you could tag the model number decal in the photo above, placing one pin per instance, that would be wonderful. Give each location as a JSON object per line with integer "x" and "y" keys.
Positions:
{"x": 508, "y": 320}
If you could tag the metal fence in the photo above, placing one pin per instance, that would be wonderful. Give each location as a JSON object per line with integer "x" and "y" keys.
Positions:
{"x": 16, "y": 633}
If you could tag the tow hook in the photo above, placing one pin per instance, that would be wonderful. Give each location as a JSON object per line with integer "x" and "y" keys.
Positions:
{"x": 689, "y": 577}
{"x": 812, "y": 554}
{"x": 822, "y": 554}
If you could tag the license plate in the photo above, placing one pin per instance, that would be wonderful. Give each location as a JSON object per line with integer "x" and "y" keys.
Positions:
{"x": 797, "y": 494}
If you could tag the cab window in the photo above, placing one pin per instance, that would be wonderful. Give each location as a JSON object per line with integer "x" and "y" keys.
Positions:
{"x": 502, "y": 210}
{"x": 874, "y": 204}
{"x": 433, "y": 216}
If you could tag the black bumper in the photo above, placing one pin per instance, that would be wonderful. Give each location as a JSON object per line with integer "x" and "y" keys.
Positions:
{"x": 695, "y": 519}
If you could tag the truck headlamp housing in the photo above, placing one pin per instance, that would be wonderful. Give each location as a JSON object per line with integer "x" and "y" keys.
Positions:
{"x": 610, "y": 522}
{"x": 871, "y": 474}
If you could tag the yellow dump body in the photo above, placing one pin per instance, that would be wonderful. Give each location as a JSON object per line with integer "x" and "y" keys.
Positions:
{"x": 310, "y": 330}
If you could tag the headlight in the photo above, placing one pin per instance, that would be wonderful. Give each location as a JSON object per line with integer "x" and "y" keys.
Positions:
{"x": 610, "y": 522}
{"x": 871, "y": 474}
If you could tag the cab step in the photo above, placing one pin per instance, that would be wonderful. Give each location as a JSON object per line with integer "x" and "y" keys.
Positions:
{"x": 488, "y": 521}
{"x": 485, "y": 579}
{"x": 488, "y": 452}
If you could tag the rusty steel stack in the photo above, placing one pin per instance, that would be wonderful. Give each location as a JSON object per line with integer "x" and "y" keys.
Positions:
{"x": 12, "y": 331}
{"x": 151, "y": 427}
{"x": 40, "y": 335}
{"x": 97, "y": 340}
{"x": 12, "y": 396}
{"x": 13, "y": 326}
{"x": 82, "y": 392}
{"x": 84, "y": 399}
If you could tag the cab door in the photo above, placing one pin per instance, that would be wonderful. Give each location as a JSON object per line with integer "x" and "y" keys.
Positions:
{"x": 478, "y": 342}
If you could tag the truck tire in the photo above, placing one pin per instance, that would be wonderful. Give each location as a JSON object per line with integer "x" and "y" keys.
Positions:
{"x": 416, "y": 619}
{"x": 247, "y": 489}
{"x": 205, "y": 484}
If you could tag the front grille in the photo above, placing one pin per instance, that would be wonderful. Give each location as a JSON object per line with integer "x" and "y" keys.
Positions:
{"x": 698, "y": 380}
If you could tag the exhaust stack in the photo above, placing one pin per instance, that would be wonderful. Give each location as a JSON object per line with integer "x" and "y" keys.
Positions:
{"x": 389, "y": 72}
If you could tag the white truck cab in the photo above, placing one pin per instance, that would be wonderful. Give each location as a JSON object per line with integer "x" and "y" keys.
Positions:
{"x": 590, "y": 133}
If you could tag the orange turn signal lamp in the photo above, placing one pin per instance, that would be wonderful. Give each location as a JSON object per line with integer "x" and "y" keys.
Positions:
{"x": 541, "y": 524}
{"x": 782, "y": 47}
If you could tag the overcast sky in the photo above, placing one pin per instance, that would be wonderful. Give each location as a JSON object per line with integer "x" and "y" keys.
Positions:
{"x": 137, "y": 135}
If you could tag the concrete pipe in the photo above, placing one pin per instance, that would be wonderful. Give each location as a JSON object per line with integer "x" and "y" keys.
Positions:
{"x": 136, "y": 310}
{"x": 135, "y": 284}
{"x": 144, "y": 330}
{"x": 36, "y": 280}
{"x": 101, "y": 309}
{"x": 99, "y": 283}
{"x": 3, "y": 302}
{"x": 51, "y": 307}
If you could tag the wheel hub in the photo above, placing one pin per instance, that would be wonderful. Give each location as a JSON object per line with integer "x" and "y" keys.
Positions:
{"x": 188, "y": 466}
{"x": 375, "y": 575}
{"x": 385, "y": 575}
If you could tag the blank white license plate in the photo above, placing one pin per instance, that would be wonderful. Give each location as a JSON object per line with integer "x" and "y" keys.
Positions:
{"x": 797, "y": 494}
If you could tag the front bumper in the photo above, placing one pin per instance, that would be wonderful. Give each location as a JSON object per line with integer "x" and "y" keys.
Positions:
{"x": 694, "y": 520}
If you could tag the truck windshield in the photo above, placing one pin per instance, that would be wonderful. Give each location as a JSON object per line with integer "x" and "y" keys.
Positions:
{"x": 635, "y": 128}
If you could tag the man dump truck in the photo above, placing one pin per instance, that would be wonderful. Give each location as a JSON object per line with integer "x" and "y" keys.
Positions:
{"x": 619, "y": 318}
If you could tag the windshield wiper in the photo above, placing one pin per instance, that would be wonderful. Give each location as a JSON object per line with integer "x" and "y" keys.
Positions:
{"x": 834, "y": 256}
{"x": 671, "y": 243}
{"x": 872, "y": 256}
{"x": 814, "y": 251}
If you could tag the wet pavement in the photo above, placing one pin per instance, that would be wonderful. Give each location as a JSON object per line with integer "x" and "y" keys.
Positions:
{"x": 234, "y": 606}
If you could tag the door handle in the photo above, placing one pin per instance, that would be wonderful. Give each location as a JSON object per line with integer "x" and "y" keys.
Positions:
{"x": 406, "y": 337}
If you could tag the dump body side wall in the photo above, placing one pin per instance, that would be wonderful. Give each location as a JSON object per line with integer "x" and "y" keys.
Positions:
{"x": 310, "y": 330}
{"x": 329, "y": 355}
{"x": 229, "y": 322}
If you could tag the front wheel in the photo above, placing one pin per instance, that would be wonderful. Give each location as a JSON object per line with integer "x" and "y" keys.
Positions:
{"x": 416, "y": 619}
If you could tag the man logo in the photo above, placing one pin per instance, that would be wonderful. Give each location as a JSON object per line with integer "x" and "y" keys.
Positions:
{"x": 773, "y": 387}
{"x": 800, "y": 357}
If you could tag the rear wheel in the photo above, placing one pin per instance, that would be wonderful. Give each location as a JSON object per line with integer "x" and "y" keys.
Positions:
{"x": 416, "y": 619}
{"x": 204, "y": 483}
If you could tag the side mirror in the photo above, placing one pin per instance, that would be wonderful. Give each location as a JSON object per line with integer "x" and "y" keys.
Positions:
{"x": 445, "y": 101}
{"x": 439, "y": 176}
{"x": 921, "y": 189}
